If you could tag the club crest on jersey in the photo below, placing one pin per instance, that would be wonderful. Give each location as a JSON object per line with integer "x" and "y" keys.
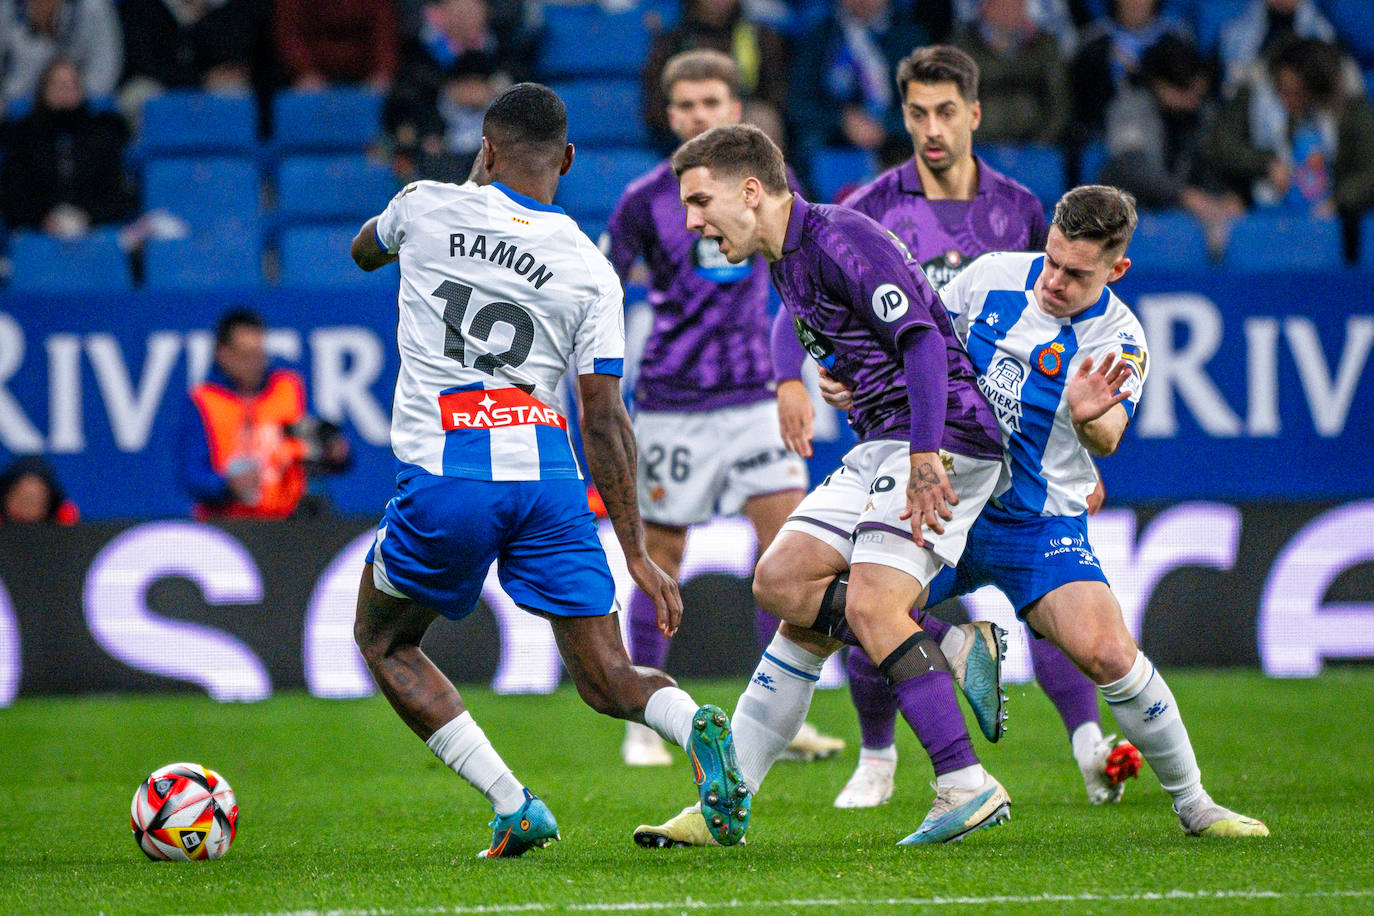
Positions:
{"x": 494, "y": 409}
{"x": 1001, "y": 385}
{"x": 889, "y": 302}
{"x": 1050, "y": 359}
{"x": 942, "y": 268}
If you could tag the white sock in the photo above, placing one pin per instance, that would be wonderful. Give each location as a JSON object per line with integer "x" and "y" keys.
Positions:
{"x": 1148, "y": 714}
{"x": 1085, "y": 739}
{"x": 969, "y": 777}
{"x": 885, "y": 754}
{"x": 669, "y": 712}
{"x": 773, "y": 707}
{"x": 463, "y": 747}
{"x": 952, "y": 642}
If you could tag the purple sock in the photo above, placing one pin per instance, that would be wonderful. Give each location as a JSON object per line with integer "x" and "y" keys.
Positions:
{"x": 767, "y": 626}
{"x": 1068, "y": 688}
{"x": 936, "y": 627}
{"x": 648, "y": 647}
{"x": 873, "y": 700}
{"x": 928, "y": 705}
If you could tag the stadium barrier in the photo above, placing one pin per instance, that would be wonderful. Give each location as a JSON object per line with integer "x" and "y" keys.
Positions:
{"x": 241, "y": 610}
{"x": 1260, "y": 388}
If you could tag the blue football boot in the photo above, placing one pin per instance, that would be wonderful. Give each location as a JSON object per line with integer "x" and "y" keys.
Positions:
{"x": 958, "y": 812}
{"x": 724, "y": 796}
{"x": 514, "y": 834}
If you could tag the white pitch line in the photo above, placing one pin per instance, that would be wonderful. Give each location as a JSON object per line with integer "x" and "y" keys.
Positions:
{"x": 905, "y": 902}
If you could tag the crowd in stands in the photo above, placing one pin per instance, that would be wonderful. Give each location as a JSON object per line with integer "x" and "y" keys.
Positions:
{"x": 1211, "y": 109}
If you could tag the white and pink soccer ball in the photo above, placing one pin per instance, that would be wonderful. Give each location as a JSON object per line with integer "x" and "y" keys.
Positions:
{"x": 184, "y": 812}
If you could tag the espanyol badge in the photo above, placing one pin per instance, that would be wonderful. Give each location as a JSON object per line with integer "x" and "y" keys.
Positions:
{"x": 1050, "y": 359}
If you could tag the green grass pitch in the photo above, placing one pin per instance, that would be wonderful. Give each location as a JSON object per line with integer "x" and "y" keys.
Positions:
{"x": 345, "y": 812}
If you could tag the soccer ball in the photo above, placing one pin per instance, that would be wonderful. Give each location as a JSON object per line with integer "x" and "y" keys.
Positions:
{"x": 182, "y": 812}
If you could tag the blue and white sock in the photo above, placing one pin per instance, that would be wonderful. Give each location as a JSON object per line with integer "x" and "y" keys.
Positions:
{"x": 1148, "y": 714}
{"x": 773, "y": 707}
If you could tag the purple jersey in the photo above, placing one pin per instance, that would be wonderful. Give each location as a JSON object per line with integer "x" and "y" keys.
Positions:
{"x": 944, "y": 235}
{"x": 852, "y": 291}
{"x": 708, "y": 347}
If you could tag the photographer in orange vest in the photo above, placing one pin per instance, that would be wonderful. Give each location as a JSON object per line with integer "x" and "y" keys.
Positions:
{"x": 245, "y": 440}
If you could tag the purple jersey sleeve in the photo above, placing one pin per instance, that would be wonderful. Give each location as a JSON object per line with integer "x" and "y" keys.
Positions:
{"x": 624, "y": 227}
{"x": 787, "y": 352}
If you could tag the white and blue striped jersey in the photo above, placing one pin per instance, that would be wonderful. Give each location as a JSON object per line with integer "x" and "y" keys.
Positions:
{"x": 1024, "y": 359}
{"x": 500, "y": 295}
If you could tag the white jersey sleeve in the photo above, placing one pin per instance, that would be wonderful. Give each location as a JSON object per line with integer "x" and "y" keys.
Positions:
{"x": 499, "y": 296}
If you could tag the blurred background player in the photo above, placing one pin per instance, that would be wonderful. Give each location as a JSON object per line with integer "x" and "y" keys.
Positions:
{"x": 484, "y": 340}
{"x": 949, "y": 206}
{"x": 246, "y": 444}
{"x": 706, "y": 424}
{"x": 1063, "y": 361}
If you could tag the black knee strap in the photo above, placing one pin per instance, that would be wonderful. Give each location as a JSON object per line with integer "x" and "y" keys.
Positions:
{"x": 831, "y": 620}
{"x": 919, "y": 655}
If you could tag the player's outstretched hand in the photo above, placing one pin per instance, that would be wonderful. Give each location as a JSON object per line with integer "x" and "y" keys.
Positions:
{"x": 796, "y": 416}
{"x": 835, "y": 392}
{"x": 929, "y": 496}
{"x": 662, "y": 591}
{"x": 1094, "y": 391}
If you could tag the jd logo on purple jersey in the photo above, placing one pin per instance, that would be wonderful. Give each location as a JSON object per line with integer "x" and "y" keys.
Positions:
{"x": 889, "y": 302}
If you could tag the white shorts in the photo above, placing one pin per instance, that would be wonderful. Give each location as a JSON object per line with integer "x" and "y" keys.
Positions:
{"x": 694, "y": 465}
{"x": 857, "y": 509}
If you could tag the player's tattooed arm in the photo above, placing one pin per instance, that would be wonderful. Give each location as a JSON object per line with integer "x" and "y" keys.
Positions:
{"x": 609, "y": 444}
{"x": 928, "y": 495}
{"x": 367, "y": 252}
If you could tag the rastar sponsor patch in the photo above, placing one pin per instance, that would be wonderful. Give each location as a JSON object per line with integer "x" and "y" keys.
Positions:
{"x": 496, "y": 408}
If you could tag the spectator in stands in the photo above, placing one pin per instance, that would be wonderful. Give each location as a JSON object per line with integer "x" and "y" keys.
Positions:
{"x": 1313, "y": 151}
{"x": 1053, "y": 17}
{"x": 1024, "y": 80}
{"x": 1247, "y": 39}
{"x": 451, "y": 72}
{"x": 30, "y": 493}
{"x": 1155, "y": 133}
{"x": 1108, "y": 57}
{"x": 64, "y": 163}
{"x": 181, "y": 44}
{"x": 33, "y": 32}
{"x": 341, "y": 41}
{"x": 759, "y": 51}
{"x": 843, "y": 70}
{"x": 245, "y": 441}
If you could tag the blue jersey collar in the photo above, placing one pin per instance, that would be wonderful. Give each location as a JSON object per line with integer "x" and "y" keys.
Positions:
{"x": 528, "y": 203}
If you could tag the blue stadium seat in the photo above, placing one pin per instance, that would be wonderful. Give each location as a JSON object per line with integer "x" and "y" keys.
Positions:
{"x": 342, "y": 120}
{"x": 1281, "y": 242}
{"x": 1168, "y": 241}
{"x": 314, "y": 257}
{"x": 206, "y": 260}
{"x": 835, "y": 168}
{"x": 181, "y": 122}
{"x": 590, "y": 191}
{"x": 1091, "y": 158}
{"x": 43, "y": 264}
{"x": 206, "y": 192}
{"x": 316, "y": 189}
{"x": 1367, "y": 241}
{"x": 585, "y": 40}
{"x": 603, "y": 112}
{"x": 1039, "y": 168}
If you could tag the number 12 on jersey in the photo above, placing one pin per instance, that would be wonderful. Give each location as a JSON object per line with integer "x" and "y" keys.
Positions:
{"x": 456, "y": 298}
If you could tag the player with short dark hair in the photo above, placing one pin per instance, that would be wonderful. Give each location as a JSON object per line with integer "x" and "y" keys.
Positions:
{"x": 1063, "y": 361}
{"x": 500, "y": 294}
{"x": 949, "y": 206}
{"x": 706, "y": 424}
{"x": 899, "y": 507}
